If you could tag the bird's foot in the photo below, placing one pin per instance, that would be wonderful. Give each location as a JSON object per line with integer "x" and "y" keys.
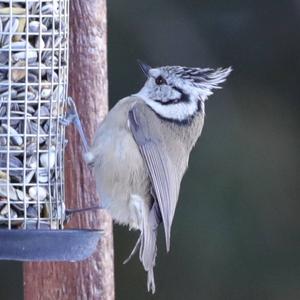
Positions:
{"x": 72, "y": 117}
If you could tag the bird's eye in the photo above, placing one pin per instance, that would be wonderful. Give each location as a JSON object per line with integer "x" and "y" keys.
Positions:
{"x": 160, "y": 80}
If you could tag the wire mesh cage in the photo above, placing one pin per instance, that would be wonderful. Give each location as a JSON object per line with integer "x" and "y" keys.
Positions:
{"x": 33, "y": 93}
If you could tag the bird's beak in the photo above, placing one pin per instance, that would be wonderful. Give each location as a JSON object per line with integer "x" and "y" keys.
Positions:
{"x": 144, "y": 67}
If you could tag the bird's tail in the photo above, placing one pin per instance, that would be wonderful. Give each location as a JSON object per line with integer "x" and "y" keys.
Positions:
{"x": 147, "y": 243}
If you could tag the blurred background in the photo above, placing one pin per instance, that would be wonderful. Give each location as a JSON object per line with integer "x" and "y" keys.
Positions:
{"x": 236, "y": 233}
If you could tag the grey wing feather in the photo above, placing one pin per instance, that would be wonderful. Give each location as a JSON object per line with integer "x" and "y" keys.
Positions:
{"x": 162, "y": 175}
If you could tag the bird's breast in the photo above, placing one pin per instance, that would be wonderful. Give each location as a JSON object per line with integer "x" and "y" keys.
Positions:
{"x": 120, "y": 173}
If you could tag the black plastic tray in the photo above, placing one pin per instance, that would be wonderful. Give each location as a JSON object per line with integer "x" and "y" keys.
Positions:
{"x": 48, "y": 245}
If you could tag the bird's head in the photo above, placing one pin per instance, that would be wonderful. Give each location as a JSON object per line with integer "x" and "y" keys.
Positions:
{"x": 178, "y": 93}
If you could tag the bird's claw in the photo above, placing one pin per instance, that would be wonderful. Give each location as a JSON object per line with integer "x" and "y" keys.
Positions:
{"x": 72, "y": 117}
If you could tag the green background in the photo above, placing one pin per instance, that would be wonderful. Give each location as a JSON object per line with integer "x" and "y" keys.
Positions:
{"x": 236, "y": 233}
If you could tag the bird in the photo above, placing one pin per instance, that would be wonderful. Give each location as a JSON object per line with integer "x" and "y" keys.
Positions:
{"x": 141, "y": 151}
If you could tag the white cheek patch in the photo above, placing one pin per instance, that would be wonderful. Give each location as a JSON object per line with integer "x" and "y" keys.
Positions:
{"x": 176, "y": 111}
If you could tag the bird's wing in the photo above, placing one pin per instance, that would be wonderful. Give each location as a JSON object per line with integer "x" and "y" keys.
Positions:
{"x": 162, "y": 174}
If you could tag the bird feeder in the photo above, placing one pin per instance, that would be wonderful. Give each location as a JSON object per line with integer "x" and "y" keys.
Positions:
{"x": 33, "y": 94}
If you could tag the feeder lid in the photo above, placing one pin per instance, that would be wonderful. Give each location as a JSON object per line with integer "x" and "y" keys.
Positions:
{"x": 48, "y": 245}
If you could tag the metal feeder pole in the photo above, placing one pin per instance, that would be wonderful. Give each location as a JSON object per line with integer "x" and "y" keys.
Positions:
{"x": 92, "y": 278}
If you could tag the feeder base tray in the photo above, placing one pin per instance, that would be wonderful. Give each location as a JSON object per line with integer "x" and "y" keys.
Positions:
{"x": 48, "y": 245}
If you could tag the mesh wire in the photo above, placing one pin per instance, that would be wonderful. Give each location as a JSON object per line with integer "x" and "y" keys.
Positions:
{"x": 33, "y": 91}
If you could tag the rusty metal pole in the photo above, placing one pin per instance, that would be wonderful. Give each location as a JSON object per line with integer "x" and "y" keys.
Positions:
{"x": 93, "y": 278}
